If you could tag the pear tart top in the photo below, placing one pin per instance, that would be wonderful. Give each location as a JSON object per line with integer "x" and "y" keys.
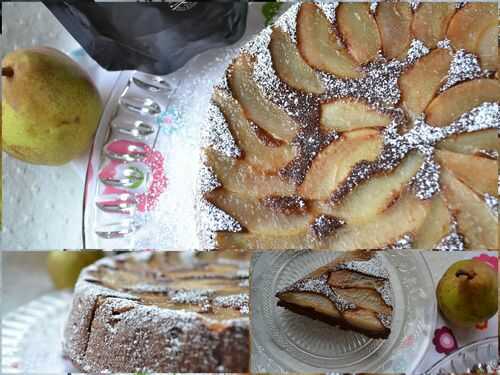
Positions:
{"x": 217, "y": 288}
{"x": 353, "y": 292}
{"x": 357, "y": 126}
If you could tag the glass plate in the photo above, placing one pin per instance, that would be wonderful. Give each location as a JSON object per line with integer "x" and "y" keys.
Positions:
{"x": 287, "y": 342}
{"x": 32, "y": 336}
{"x": 463, "y": 361}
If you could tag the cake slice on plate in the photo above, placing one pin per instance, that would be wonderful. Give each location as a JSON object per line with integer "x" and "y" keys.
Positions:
{"x": 353, "y": 293}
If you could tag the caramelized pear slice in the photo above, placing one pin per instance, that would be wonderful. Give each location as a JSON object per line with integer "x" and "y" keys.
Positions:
{"x": 487, "y": 48}
{"x": 472, "y": 143}
{"x": 469, "y": 23}
{"x": 478, "y": 173}
{"x": 420, "y": 83}
{"x": 257, "y": 108}
{"x": 349, "y": 279}
{"x": 359, "y": 30}
{"x": 335, "y": 162}
{"x": 237, "y": 176}
{"x": 430, "y": 22}
{"x": 348, "y": 114}
{"x": 320, "y": 47}
{"x": 255, "y": 152}
{"x": 436, "y": 226}
{"x": 257, "y": 217}
{"x": 405, "y": 216}
{"x": 394, "y": 21}
{"x": 374, "y": 196}
{"x": 459, "y": 99}
{"x": 474, "y": 219}
{"x": 317, "y": 302}
{"x": 368, "y": 299}
{"x": 290, "y": 66}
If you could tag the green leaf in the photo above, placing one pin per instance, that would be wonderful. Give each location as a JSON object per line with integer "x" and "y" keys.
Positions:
{"x": 269, "y": 10}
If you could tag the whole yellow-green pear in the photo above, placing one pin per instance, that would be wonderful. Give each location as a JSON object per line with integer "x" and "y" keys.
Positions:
{"x": 467, "y": 293}
{"x": 64, "y": 266}
{"x": 50, "y": 107}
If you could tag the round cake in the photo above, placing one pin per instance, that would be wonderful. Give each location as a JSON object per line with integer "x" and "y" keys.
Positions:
{"x": 357, "y": 126}
{"x": 160, "y": 313}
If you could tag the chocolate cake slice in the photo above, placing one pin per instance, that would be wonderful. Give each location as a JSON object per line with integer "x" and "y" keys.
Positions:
{"x": 161, "y": 313}
{"x": 353, "y": 293}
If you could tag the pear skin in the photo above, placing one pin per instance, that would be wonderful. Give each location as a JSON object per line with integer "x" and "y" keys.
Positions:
{"x": 50, "y": 107}
{"x": 467, "y": 293}
{"x": 64, "y": 266}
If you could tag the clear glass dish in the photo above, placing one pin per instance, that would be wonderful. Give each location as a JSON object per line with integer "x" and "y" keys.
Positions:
{"x": 32, "y": 336}
{"x": 477, "y": 357}
{"x": 286, "y": 342}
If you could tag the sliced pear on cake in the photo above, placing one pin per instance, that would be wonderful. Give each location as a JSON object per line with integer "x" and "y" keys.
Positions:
{"x": 459, "y": 99}
{"x": 240, "y": 177}
{"x": 257, "y": 108}
{"x": 469, "y": 23}
{"x": 335, "y": 162}
{"x": 394, "y": 21}
{"x": 319, "y": 45}
{"x": 359, "y": 31}
{"x": 371, "y": 198}
{"x": 430, "y": 22}
{"x": 475, "y": 221}
{"x": 472, "y": 143}
{"x": 255, "y": 152}
{"x": 479, "y": 173}
{"x": 290, "y": 66}
{"x": 436, "y": 226}
{"x": 258, "y": 217}
{"x": 487, "y": 48}
{"x": 420, "y": 83}
{"x": 406, "y": 216}
{"x": 349, "y": 114}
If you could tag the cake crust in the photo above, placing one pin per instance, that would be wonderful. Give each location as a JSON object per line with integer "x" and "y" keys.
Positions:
{"x": 117, "y": 329}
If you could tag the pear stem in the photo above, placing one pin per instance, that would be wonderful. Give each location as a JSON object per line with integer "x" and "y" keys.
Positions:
{"x": 7, "y": 72}
{"x": 470, "y": 275}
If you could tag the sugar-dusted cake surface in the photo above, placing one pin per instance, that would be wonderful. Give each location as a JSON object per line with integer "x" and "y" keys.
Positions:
{"x": 163, "y": 312}
{"x": 357, "y": 126}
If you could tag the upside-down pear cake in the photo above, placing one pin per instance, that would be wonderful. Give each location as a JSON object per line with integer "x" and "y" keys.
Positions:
{"x": 353, "y": 292}
{"x": 357, "y": 126}
{"x": 164, "y": 312}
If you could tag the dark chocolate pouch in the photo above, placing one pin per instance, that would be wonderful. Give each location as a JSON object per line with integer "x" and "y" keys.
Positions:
{"x": 153, "y": 37}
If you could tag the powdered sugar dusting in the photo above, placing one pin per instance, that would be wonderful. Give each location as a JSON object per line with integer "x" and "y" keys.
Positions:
{"x": 463, "y": 67}
{"x": 217, "y": 135}
{"x": 371, "y": 267}
{"x": 217, "y": 220}
{"x": 453, "y": 241}
{"x": 329, "y": 9}
{"x": 426, "y": 182}
{"x": 444, "y": 44}
{"x": 492, "y": 203}
{"x": 416, "y": 51}
{"x": 208, "y": 181}
{"x": 403, "y": 243}
{"x": 235, "y": 301}
{"x": 288, "y": 22}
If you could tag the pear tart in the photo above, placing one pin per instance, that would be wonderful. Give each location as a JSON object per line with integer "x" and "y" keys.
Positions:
{"x": 161, "y": 313}
{"x": 357, "y": 126}
{"x": 353, "y": 292}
